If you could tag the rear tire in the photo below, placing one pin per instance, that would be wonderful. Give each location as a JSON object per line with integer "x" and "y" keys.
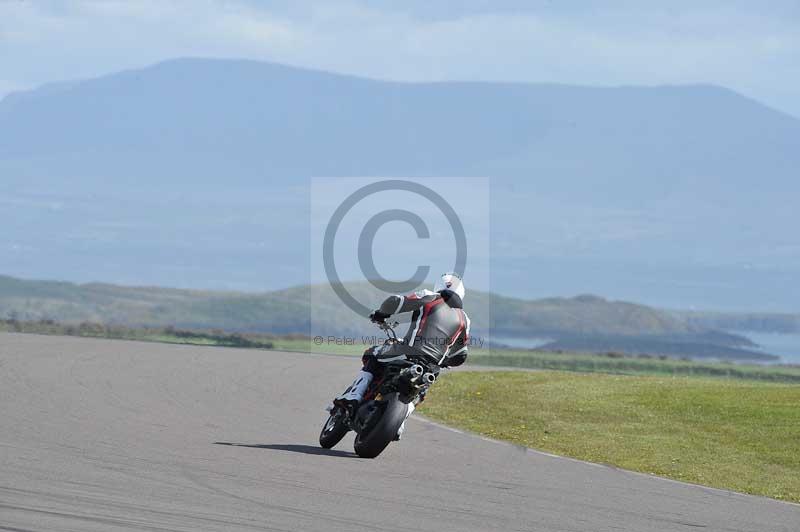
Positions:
{"x": 334, "y": 430}
{"x": 384, "y": 431}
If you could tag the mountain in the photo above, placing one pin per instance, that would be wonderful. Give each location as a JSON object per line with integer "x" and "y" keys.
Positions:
{"x": 587, "y": 323}
{"x": 195, "y": 173}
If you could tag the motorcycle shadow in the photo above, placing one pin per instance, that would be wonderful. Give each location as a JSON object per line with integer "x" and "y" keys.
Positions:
{"x": 294, "y": 448}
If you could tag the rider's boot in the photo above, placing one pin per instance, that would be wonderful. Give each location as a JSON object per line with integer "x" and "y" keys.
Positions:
{"x": 353, "y": 395}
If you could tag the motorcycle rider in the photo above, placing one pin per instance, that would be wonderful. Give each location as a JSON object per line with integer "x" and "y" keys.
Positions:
{"x": 439, "y": 330}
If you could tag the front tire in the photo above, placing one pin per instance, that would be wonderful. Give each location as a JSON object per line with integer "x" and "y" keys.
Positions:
{"x": 334, "y": 430}
{"x": 384, "y": 431}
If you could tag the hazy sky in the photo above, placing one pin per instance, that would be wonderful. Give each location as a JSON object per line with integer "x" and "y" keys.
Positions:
{"x": 751, "y": 47}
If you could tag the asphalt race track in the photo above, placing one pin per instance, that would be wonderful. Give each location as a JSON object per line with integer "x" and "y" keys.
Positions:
{"x": 100, "y": 435}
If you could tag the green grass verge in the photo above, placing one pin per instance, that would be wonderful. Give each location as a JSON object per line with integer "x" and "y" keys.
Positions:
{"x": 738, "y": 435}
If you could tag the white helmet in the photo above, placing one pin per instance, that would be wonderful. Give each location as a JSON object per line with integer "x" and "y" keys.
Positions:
{"x": 450, "y": 281}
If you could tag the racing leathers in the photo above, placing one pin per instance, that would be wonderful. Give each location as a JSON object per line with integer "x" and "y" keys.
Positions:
{"x": 439, "y": 330}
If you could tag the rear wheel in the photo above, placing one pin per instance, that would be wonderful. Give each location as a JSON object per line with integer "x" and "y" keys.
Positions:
{"x": 383, "y": 431}
{"x": 334, "y": 430}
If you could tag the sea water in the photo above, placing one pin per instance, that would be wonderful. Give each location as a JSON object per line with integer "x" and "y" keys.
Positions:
{"x": 786, "y": 346}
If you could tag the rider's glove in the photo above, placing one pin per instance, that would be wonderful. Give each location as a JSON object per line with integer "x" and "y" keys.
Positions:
{"x": 378, "y": 316}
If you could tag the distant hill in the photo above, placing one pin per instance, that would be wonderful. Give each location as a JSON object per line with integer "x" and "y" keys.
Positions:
{"x": 581, "y": 322}
{"x": 194, "y": 172}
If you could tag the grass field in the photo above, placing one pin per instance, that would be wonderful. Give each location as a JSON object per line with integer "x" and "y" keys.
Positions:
{"x": 733, "y": 434}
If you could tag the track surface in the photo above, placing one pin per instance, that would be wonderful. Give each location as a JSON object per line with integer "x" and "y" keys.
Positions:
{"x": 100, "y": 435}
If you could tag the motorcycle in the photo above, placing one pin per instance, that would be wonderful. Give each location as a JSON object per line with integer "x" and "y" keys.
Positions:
{"x": 388, "y": 401}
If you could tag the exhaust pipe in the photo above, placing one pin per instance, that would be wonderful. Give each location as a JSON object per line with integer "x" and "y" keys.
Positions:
{"x": 428, "y": 378}
{"x": 414, "y": 372}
